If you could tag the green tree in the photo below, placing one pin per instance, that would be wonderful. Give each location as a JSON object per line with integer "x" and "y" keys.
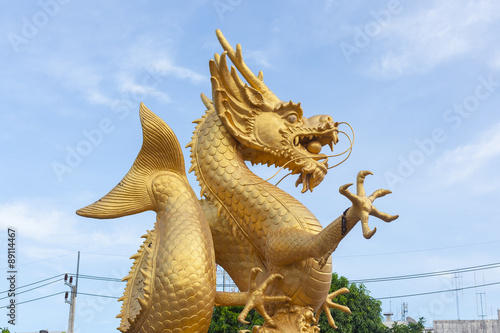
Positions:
{"x": 365, "y": 317}
{"x": 411, "y": 328}
{"x": 365, "y": 310}
{"x": 5, "y": 330}
{"x": 225, "y": 319}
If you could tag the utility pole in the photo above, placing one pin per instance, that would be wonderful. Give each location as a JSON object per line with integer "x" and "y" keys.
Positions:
{"x": 72, "y": 301}
{"x": 404, "y": 311}
{"x": 457, "y": 289}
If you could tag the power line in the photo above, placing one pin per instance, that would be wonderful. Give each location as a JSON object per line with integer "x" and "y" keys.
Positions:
{"x": 107, "y": 254}
{"x": 35, "y": 262}
{"x": 59, "y": 293}
{"x": 413, "y": 251}
{"x": 30, "y": 284}
{"x": 379, "y": 298}
{"x": 367, "y": 280}
{"x": 429, "y": 274}
{"x": 437, "y": 292}
{"x": 91, "y": 277}
{"x": 100, "y": 278}
{"x": 105, "y": 296}
{"x": 25, "y": 291}
{"x": 36, "y": 299}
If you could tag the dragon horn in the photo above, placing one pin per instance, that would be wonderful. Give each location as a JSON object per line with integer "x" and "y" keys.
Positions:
{"x": 255, "y": 82}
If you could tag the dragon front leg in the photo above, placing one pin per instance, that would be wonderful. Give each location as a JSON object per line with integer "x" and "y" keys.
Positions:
{"x": 257, "y": 297}
{"x": 325, "y": 307}
{"x": 288, "y": 245}
{"x": 254, "y": 298}
{"x": 362, "y": 207}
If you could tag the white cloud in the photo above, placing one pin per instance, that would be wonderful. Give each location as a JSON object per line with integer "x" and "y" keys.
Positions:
{"x": 260, "y": 58}
{"x": 462, "y": 163}
{"x": 130, "y": 86}
{"x": 35, "y": 223}
{"x": 417, "y": 42}
{"x": 97, "y": 97}
{"x": 50, "y": 232}
{"x": 165, "y": 67}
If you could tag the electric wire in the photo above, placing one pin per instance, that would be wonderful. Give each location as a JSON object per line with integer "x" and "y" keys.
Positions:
{"x": 36, "y": 299}
{"x": 35, "y": 262}
{"x": 378, "y": 298}
{"x": 413, "y": 251}
{"x": 25, "y": 291}
{"x": 59, "y": 293}
{"x": 429, "y": 274}
{"x": 99, "y": 278}
{"x": 30, "y": 284}
{"x": 369, "y": 280}
{"x": 437, "y": 291}
{"x": 105, "y": 296}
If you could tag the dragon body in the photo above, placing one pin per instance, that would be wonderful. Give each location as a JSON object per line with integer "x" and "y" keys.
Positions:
{"x": 171, "y": 286}
{"x": 271, "y": 245}
{"x": 253, "y": 211}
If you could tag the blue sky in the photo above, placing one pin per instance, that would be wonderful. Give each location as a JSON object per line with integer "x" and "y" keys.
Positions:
{"x": 419, "y": 81}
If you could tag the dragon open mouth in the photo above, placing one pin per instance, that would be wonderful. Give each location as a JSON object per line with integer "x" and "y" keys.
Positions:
{"x": 314, "y": 143}
{"x": 309, "y": 143}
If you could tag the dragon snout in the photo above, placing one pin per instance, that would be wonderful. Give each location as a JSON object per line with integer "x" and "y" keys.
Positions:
{"x": 321, "y": 121}
{"x": 325, "y": 119}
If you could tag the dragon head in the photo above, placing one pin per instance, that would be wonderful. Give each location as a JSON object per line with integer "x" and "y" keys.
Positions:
{"x": 269, "y": 130}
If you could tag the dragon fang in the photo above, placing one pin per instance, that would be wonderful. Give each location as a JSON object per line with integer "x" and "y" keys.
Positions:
{"x": 272, "y": 246}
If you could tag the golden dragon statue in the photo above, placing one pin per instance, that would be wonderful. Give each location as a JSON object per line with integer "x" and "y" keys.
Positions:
{"x": 271, "y": 245}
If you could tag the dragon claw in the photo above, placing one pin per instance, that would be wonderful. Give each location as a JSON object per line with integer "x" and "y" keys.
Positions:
{"x": 257, "y": 298}
{"x": 363, "y": 205}
{"x": 362, "y": 174}
{"x": 325, "y": 307}
{"x": 379, "y": 194}
{"x": 344, "y": 190}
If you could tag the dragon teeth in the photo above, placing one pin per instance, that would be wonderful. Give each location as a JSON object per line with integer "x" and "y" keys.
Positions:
{"x": 331, "y": 145}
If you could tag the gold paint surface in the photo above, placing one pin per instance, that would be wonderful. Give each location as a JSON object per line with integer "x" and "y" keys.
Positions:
{"x": 271, "y": 245}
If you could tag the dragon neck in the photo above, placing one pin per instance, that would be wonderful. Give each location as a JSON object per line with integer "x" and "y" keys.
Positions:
{"x": 240, "y": 195}
{"x": 218, "y": 163}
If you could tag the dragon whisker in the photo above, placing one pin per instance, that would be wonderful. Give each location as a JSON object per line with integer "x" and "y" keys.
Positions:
{"x": 351, "y": 143}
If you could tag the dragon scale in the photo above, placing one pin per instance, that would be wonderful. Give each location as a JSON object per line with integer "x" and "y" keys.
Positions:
{"x": 254, "y": 209}
{"x": 171, "y": 286}
{"x": 182, "y": 293}
{"x": 272, "y": 246}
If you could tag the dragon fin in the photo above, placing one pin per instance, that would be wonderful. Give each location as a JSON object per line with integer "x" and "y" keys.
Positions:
{"x": 160, "y": 152}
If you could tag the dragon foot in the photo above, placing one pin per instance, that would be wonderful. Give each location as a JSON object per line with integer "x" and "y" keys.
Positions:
{"x": 257, "y": 297}
{"x": 362, "y": 205}
{"x": 325, "y": 307}
{"x": 290, "y": 319}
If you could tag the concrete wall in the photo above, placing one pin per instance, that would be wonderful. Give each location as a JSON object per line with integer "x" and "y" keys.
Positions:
{"x": 467, "y": 326}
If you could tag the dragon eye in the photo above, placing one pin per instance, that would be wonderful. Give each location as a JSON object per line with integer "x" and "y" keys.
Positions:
{"x": 292, "y": 118}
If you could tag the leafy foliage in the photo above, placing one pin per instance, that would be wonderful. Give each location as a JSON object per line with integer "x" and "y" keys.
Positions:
{"x": 5, "y": 330}
{"x": 366, "y": 310}
{"x": 225, "y": 320}
{"x": 411, "y": 328}
{"x": 365, "y": 317}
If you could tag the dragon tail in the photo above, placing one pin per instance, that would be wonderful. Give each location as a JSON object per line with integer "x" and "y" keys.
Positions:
{"x": 160, "y": 152}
